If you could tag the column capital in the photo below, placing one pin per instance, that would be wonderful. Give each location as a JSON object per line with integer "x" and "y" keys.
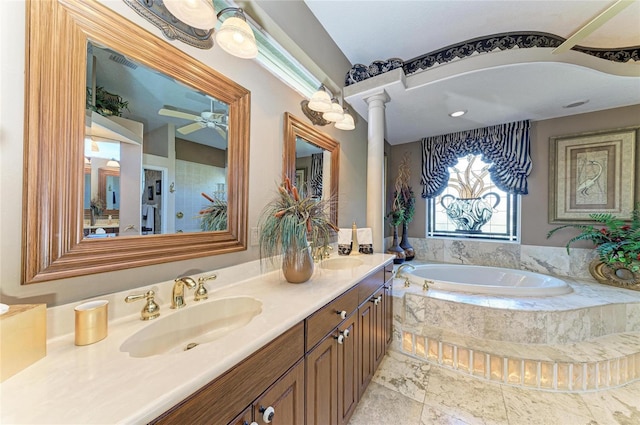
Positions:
{"x": 381, "y": 96}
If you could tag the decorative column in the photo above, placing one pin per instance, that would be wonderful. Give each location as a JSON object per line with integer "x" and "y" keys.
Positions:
{"x": 375, "y": 168}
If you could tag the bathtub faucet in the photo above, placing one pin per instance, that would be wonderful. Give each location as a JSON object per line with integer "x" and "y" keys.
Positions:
{"x": 399, "y": 273}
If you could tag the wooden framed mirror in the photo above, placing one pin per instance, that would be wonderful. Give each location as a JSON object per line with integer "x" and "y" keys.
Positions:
{"x": 58, "y": 35}
{"x": 302, "y": 141}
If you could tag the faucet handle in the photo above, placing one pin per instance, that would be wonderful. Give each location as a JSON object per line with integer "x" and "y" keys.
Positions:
{"x": 201, "y": 292}
{"x": 151, "y": 310}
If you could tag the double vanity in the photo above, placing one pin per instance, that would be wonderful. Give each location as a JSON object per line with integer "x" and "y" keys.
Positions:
{"x": 257, "y": 348}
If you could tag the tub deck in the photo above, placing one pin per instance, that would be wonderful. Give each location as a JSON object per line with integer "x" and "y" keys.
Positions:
{"x": 582, "y": 341}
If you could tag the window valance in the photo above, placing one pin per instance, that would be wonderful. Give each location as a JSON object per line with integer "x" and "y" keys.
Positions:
{"x": 505, "y": 146}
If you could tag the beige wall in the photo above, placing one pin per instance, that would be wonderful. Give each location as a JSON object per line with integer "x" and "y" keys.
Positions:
{"x": 534, "y": 205}
{"x": 270, "y": 98}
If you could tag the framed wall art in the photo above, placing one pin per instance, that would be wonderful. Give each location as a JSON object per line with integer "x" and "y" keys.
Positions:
{"x": 592, "y": 173}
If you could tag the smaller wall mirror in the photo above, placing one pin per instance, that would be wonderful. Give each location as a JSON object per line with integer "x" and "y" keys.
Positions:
{"x": 312, "y": 160}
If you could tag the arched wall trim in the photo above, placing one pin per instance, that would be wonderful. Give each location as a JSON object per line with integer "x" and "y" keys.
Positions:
{"x": 505, "y": 146}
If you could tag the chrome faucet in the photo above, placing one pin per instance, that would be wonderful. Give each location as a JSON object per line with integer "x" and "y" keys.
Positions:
{"x": 177, "y": 294}
{"x": 399, "y": 273}
{"x": 322, "y": 253}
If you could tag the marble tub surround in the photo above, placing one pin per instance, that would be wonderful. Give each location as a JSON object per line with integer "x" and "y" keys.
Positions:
{"x": 582, "y": 341}
{"x": 99, "y": 383}
{"x": 542, "y": 259}
{"x": 408, "y": 391}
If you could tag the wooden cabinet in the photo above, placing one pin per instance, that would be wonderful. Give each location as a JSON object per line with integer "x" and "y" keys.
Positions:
{"x": 281, "y": 404}
{"x": 375, "y": 321}
{"x": 331, "y": 376}
{"x": 322, "y": 383}
{"x": 220, "y": 401}
{"x": 348, "y": 395}
{"x": 284, "y": 399}
{"x": 245, "y": 418}
{"x": 313, "y": 374}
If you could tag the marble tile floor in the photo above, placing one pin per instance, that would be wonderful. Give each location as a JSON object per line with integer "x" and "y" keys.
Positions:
{"x": 406, "y": 391}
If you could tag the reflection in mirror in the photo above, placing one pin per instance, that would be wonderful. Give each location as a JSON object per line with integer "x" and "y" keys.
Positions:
{"x": 179, "y": 131}
{"x": 61, "y": 179}
{"x": 313, "y": 169}
{"x": 311, "y": 159}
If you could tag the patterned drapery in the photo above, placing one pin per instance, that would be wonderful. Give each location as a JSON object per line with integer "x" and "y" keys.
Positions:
{"x": 505, "y": 147}
{"x": 315, "y": 179}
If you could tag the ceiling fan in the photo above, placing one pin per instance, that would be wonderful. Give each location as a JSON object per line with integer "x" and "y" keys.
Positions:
{"x": 207, "y": 119}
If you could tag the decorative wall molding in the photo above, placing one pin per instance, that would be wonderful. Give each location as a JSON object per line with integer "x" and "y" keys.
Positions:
{"x": 485, "y": 44}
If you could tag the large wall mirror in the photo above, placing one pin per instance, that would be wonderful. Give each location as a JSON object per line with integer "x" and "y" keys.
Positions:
{"x": 135, "y": 153}
{"x": 312, "y": 160}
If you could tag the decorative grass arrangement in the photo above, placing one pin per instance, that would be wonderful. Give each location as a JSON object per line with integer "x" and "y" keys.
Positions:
{"x": 213, "y": 217}
{"x": 293, "y": 221}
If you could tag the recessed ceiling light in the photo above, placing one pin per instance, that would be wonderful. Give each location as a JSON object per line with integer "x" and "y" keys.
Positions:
{"x": 576, "y": 104}
{"x": 457, "y": 114}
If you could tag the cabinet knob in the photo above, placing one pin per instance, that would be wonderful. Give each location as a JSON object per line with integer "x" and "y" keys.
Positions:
{"x": 342, "y": 314}
{"x": 340, "y": 338}
{"x": 267, "y": 413}
{"x": 346, "y": 333}
{"x": 376, "y": 300}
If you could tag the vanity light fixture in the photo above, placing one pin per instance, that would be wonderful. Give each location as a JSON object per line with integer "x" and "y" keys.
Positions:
{"x": 336, "y": 113}
{"x": 457, "y": 114}
{"x": 112, "y": 163}
{"x": 195, "y": 13}
{"x": 235, "y": 36}
{"x": 347, "y": 122}
{"x": 193, "y": 22}
{"x": 321, "y": 100}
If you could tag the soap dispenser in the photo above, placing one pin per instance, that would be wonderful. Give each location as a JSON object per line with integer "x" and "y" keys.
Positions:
{"x": 355, "y": 246}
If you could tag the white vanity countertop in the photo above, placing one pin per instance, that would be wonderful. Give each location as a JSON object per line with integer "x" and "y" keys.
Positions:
{"x": 99, "y": 384}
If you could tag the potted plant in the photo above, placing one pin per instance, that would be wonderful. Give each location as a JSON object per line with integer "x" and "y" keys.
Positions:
{"x": 96, "y": 206}
{"x": 395, "y": 217}
{"x": 290, "y": 225}
{"x": 213, "y": 216}
{"x": 618, "y": 246}
{"x": 106, "y": 103}
{"x": 407, "y": 202}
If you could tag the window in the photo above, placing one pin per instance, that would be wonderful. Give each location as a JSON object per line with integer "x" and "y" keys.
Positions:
{"x": 471, "y": 206}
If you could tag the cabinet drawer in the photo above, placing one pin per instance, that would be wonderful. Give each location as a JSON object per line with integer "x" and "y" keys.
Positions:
{"x": 370, "y": 284}
{"x": 328, "y": 317}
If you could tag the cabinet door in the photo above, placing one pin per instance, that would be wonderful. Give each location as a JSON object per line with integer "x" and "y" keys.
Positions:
{"x": 366, "y": 336}
{"x": 388, "y": 313}
{"x": 285, "y": 399}
{"x": 322, "y": 382}
{"x": 372, "y": 337}
{"x": 348, "y": 369}
{"x": 380, "y": 337}
{"x": 245, "y": 418}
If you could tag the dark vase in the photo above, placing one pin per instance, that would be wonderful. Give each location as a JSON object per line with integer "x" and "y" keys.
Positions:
{"x": 396, "y": 249}
{"x": 409, "y": 252}
{"x": 93, "y": 216}
{"x": 297, "y": 265}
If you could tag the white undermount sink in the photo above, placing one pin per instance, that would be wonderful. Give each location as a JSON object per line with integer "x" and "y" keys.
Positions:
{"x": 340, "y": 263}
{"x": 191, "y": 326}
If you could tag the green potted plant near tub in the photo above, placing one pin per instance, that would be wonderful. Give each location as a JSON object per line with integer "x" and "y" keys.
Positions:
{"x": 290, "y": 225}
{"x": 618, "y": 246}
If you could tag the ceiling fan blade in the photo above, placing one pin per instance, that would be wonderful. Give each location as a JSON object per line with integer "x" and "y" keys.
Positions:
{"x": 177, "y": 114}
{"x": 591, "y": 26}
{"x": 221, "y": 132}
{"x": 190, "y": 128}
